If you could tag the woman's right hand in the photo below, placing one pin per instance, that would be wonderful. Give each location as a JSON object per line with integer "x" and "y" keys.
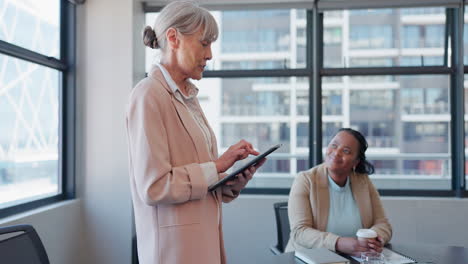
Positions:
{"x": 351, "y": 246}
{"x": 238, "y": 151}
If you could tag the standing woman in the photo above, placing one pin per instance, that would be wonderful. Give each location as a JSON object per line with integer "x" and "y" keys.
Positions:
{"x": 172, "y": 149}
{"x": 330, "y": 202}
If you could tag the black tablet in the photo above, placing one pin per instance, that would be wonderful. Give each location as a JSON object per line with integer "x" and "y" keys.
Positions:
{"x": 232, "y": 175}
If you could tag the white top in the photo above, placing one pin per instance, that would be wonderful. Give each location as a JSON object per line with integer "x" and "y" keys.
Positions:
{"x": 344, "y": 218}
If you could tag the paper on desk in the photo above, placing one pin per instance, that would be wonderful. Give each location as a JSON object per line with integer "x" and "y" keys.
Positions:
{"x": 391, "y": 257}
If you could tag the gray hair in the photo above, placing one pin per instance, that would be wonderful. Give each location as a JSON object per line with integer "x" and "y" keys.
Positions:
{"x": 186, "y": 17}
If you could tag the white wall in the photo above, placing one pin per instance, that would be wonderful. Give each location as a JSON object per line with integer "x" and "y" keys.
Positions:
{"x": 105, "y": 78}
{"x": 250, "y": 227}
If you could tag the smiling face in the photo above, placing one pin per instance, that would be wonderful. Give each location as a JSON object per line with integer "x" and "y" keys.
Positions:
{"x": 342, "y": 154}
{"x": 192, "y": 54}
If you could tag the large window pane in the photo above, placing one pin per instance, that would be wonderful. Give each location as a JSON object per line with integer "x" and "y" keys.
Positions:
{"x": 384, "y": 37}
{"x": 33, "y": 25}
{"x": 254, "y": 39}
{"x": 406, "y": 121}
{"x": 256, "y": 97}
{"x": 264, "y": 112}
{"x": 29, "y": 121}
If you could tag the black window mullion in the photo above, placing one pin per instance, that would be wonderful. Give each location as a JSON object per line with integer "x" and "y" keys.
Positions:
{"x": 315, "y": 113}
{"x": 255, "y": 73}
{"x": 310, "y": 29}
{"x": 457, "y": 101}
{"x": 404, "y": 70}
{"x": 67, "y": 100}
{"x": 31, "y": 56}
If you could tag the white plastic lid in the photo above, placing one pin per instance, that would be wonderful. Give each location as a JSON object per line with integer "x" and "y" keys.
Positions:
{"x": 366, "y": 233}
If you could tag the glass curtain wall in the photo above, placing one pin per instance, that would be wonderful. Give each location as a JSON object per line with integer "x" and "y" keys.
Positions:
{"x": 405, "y": 116}
{"x": 29, "y": 101}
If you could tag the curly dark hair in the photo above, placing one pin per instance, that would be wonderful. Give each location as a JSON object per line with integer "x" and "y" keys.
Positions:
{"x": 364, "y": 166}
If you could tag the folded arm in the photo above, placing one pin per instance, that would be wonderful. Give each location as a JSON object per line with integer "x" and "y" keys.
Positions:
{"x": 301, "y": 218}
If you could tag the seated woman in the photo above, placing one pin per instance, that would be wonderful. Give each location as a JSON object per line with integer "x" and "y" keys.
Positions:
{"x": 330, "y": 202}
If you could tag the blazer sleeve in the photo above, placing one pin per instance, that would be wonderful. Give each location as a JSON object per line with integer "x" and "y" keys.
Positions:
{"x": 157, "y": 180}
{"x": 301, "y": 218}
{"x": 381, "y": 224}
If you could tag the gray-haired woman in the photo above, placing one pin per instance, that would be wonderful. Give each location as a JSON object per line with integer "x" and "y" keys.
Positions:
{"x": 172, "y": 149}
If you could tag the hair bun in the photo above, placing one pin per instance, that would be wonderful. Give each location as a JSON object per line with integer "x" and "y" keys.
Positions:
{"x": 149, "y": 38}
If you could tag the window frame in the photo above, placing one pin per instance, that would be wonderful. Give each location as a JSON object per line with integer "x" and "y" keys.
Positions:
{"x": 314, "y": 70}
{"x": 66, "y": 142}
{"x": 454, "y": 30}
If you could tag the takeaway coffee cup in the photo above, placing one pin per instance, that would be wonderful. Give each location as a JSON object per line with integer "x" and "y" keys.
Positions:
{"x": 366, "y": 234}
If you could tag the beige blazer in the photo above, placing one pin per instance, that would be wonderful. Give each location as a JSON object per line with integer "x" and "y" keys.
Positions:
{"x": 176, "y": 219}
{"x": 309, "y": 204}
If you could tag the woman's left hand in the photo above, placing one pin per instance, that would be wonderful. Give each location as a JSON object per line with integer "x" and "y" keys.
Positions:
{"x": 243, "y": 178}
{"x": 376, "y": 244}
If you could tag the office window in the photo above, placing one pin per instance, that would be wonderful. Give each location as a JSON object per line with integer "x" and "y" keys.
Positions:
{"x": 406, "y": 117}
{"x": 406, "y": 121}
{"x": 421, "y": 60}
{"x": 34, "y": 25}
{"x": 265, "y": 112}
{"x": 269, "y": 31}
{"x": 423, "y": 11}
{"x": 434, "y": 36}
{"x": 332, "y": 35}
{"x": 29, "y": 140}
{"x": 255, "y": 97}
{"x": 396, "y": 37}
{"x": 253, "y": 39}
{"x": 31, "y": 101}
{"x": 371, "y": 62}
{"x": 411, "y": 36}
{"x": 260, "y": 35}
{"x": 332, "y": 103}
{"x": 370, "y": 37}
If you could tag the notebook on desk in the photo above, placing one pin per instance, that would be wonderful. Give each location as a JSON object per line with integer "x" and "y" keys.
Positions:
{"x": 319, "y": 256}
{"x": 392, "y": 257}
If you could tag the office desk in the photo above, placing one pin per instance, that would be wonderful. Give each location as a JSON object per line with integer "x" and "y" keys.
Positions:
{"x": 433, "y": 253}
{"x": 422, "y": 253}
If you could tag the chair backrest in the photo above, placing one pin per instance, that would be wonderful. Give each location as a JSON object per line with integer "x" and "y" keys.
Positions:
{"x": 20, "y": 244}
{"x": 282, "y": 225}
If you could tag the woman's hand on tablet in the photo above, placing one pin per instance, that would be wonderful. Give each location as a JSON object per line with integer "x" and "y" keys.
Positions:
{"x": 238, "y": 151}
{"x": 243, "y": 178}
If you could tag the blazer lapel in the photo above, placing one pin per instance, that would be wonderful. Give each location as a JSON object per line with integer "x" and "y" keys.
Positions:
{"x": 323, "y": 199}
{"x": 186, "y": 118}
{"x": 361, "y": 196}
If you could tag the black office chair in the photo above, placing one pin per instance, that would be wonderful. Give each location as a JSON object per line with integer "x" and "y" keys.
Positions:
{"x": 282, "y": 227}
{"x": 20, "y": 244}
